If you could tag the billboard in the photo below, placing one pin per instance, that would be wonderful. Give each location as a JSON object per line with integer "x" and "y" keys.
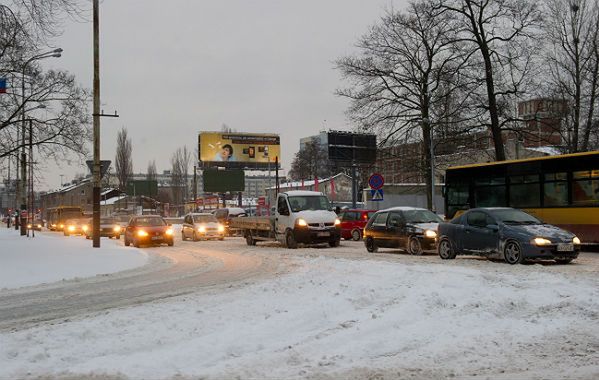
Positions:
{"x": 148, "y": 188}
{"x": 239, "y": 150}
{"x": 222, "y": 181}
{"x": 352, "y": 148}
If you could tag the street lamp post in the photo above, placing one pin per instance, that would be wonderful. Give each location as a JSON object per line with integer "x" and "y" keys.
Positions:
{"x": 21, "y": 189}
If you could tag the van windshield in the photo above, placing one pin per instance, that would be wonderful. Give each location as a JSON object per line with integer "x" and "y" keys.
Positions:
{"x": 315, "y": 202}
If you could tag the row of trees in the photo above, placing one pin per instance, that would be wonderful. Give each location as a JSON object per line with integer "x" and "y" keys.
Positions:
{"x": 453, "y": 67}
{"x": 52, "y": 101}
{"x": 180, "y": 165}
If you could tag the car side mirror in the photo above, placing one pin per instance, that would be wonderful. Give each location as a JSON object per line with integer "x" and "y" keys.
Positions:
{"x": 493, "y": 227}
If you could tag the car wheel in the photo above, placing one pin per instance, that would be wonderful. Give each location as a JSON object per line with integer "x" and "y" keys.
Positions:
{"x": 414, "y": 246}
{"x": 445, "y": 250}
{"x": 290, "y": 240}
{"x": 371, "y": 245}
{"x": 136, "y": 243}
{"x": 171, "y": 243}
{"x": 65, "y": 233}
{"x": 127, "y": 242}
{"x": 564, "y": 261}
{"x": 221, "y": 238}
{"x": 183, "y": 236}
{"x": 356, "y": 235}
{"x": 512, "y": 253}
{"x": 195, "y": 237}
{"x": 117, "y": 237}
{"x": 249, "y": 239}
{"x": 334, "y": 243}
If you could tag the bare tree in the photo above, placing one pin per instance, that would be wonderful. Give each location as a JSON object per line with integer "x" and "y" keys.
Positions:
{"x": 179, "y": 174}
{"x": 151, "y": 174}
{"x": 61, "y": 128}
{"x": 400, "y": 80}
{"x": 123, "y": 161}
{"x": 572, "y": 36}
{"x": 310, "y": 162}
{"x": 498, "y": 34}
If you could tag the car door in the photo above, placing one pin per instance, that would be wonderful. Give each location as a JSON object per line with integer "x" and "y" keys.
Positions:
{"x": 188, "y": 226}
{"x": 479, "y": 236}
{"x": 283, "y": 216}
{"x": 395, "y": 233}
{"x": 379, "y": 229}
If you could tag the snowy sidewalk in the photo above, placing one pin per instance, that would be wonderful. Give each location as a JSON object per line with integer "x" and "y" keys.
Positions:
{"x": 51, "y": 257}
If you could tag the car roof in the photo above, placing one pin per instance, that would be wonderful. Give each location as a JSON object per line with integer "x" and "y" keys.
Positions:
{"x": 200, "y": 214}
{"x": 147, "y": 216}
{"x": 357, "y": 210}
{"x": 404, "y": 208}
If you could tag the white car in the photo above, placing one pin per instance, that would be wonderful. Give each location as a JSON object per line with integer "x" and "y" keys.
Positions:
{"x": 198, "y": 226}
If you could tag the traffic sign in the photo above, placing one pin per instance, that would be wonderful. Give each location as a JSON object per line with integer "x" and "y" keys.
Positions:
{"x": 376, "y": 195}
{"x": 376, "y": 181}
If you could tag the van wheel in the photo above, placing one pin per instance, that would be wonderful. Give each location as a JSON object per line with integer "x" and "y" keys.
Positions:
{"x": 445, "y": 250}
{"x": 564, "y": 261}
{"x": 334, "y": 243}
{"x": 371, "y": 245}
{"x": 290, "y": 240}
{"x": 356, "y": 235}
{"x": 512, "y": 253}
{"x": 414, "y": 246}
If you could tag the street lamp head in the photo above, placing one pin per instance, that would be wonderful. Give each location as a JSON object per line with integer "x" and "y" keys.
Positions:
{"x": 59, "y": 50}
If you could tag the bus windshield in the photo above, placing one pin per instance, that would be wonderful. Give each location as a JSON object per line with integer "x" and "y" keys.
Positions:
{"x": 311, "y": 202}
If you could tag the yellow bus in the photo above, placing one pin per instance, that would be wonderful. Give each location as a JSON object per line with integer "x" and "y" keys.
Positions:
{"x": 561, "y": 190}
{"x": 57, "y": 216}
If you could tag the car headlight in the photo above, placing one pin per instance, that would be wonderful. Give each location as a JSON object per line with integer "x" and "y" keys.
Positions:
{"x": 71, "y": 228}
{"x": 169, "y": 231}
{"x": 142, "y": 233}
{"x": 301, "y": 222}
{"x": 430, "y": 234}
{"x": 202, "y": 229}
{"x": 337, "y": 222}
{"x": 54, "y": 225}
{"x": 221, "y": 228}
{"x": 576, "y": 240}
{"x": 39, "y": 226}
{"x": 117, "y": 229}
{"x": 62, "y": 226}
{"x": 541, "y": 241}
{"x": 84, "y": 228}
{"x": 29, "y": 226}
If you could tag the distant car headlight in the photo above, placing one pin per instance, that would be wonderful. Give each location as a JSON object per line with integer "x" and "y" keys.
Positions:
{"x": 117, "y": 229}
{"x": 142, "y": 233}
{"x": 301, "y": 222}
{"x": 337, "y": 222}
{"x": 84, "y": 228}
{"x": 39, "y": 226}
{"x": 576, "y": 240}
{"x": 541, "y": 241}
{"x": 221, "y": 228}
{"x": 29, "y": 226}
{"x": 202, "y": 229}
{"x": 54, "y": 225}
{"x": 430, "y": 234}
{"x": 71, "y": 228}
{"x": 62, "y": 226}
{"x": 169, "y": 231}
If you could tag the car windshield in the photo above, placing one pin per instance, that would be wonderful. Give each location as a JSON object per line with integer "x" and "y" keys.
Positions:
{"x": 108, "y": 221}
{"x": 421, "y": 216}
{"x": 204, "y": 219}
{"x": 150, "y": 222}
{"x": 313, "y": 202}
{"x": 511, "y": 216}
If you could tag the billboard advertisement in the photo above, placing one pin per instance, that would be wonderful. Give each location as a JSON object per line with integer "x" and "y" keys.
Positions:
{"x": 239, "y": 150}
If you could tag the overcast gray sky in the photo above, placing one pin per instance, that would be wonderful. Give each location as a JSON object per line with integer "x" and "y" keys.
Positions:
{"x": 174, "y": 68}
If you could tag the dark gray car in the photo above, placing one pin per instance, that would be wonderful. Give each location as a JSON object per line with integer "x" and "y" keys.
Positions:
{"x": 506, "y": 233}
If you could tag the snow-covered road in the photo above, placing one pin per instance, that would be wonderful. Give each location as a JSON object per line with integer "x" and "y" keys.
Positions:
{"x": 336, "y": 313}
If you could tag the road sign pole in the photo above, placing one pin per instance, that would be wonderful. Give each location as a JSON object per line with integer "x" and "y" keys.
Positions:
{"x": 354, "y": 185}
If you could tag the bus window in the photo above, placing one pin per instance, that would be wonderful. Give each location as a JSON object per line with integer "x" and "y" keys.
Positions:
{"x": 585, "y": 188}
{"x": 555, "y": 190}
{"x": 525, "y": 191}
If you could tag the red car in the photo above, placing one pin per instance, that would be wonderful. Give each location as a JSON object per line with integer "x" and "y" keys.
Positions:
{"x": 353, "y": 223}
{"x": 148, "y": 229}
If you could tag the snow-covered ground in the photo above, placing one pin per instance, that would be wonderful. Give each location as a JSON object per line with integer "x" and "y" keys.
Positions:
{"x": 50, "y": 257}
{"x": 336, "y": 317}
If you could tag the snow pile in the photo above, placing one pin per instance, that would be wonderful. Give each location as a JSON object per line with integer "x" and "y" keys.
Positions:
{"x": 50, "y": 257}
{"x": 338, "y": 318}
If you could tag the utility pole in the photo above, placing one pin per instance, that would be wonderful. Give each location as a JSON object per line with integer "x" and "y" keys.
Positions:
{"x": 195, "y": 186}
{"x": 96, "y": 121}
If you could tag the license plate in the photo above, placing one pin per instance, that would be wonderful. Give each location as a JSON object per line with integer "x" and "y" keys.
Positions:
{"x": 156, "y": 237}
{"x": 564, "y": 247}
{"x": 323, "y": 234}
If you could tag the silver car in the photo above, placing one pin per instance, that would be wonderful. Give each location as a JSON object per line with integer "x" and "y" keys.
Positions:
{"x": 198, "y": 226}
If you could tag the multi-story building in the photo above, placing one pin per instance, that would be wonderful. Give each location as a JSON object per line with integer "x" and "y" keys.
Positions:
{"x": 543, "y": 122}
